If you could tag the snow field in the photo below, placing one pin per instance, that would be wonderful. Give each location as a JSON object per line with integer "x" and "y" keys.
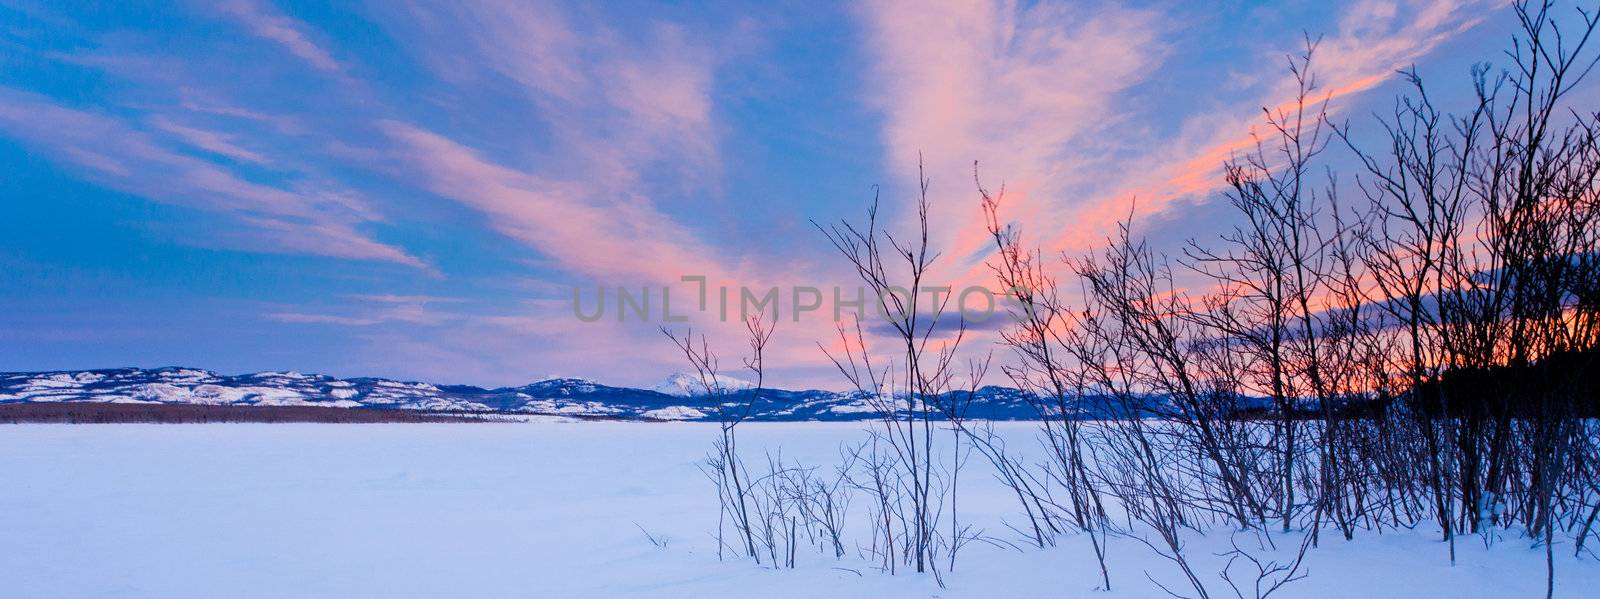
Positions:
{"x": 555, "y": 509}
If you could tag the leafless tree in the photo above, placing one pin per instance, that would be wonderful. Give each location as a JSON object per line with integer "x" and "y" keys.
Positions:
{"x": 907, "y": 387}
{"x": 724, "y": 467}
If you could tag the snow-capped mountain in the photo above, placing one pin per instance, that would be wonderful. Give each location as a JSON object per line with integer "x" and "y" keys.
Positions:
{"x": 684, "y": 384}
{"x": 679, "y": 398}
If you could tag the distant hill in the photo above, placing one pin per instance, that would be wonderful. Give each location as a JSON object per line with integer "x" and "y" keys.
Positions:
{"x": 682, "y": 397}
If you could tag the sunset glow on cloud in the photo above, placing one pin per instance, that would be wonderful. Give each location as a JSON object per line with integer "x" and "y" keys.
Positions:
{"x": 414, "y": 190}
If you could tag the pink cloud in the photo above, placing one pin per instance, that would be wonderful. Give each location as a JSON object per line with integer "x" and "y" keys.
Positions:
{"x": 589, "y": 225}
{"x": 284, "y": 31}
{"x": 210, "y": 141}
{"x": 305, "y": 318}
{"x": 614, "y": 102}
{"x": 1017, "y": 88}
{"x": 1034, "y": 93}
{"x": 1374, "y": 39}
{"x": 616, "y": 106}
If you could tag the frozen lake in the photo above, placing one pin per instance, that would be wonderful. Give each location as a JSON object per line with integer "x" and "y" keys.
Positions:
{"x": 545, "y": 509}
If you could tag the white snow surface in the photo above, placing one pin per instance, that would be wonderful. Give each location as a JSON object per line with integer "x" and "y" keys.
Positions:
{"x": 674, "y": 413}
{"x": 554, "y": 509}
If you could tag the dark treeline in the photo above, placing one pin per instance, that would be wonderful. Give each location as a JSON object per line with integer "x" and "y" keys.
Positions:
{"x": 1479, "y": 393}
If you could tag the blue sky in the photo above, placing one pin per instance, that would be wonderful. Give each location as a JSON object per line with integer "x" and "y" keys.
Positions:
{"x": 413, "y": 189}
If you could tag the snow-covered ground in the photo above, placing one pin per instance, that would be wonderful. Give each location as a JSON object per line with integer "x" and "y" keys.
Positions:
{"x": 549, "y": 509}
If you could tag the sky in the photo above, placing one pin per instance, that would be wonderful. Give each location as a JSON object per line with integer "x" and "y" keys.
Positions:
{"x": 417, "y": 189}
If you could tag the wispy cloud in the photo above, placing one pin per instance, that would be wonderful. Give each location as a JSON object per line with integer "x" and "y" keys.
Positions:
{"x": 1374, "y": 38}
{"x": 300, "y": 216}
{"x": 588, "y": 225}
{"x": 305, "y": 318}
{"x": 265, "y": 23}
{"x": 616, "y": 108}
{"x": 1023, "y": 89}
{"x": 210, "y": 141}
{"x": 1038, "y": 95}
{"x": 379, "y": 309}
{"x": 613, "y": 99}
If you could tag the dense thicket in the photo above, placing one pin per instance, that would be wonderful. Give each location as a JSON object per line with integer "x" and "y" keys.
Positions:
{"x": 1416, "y": 348}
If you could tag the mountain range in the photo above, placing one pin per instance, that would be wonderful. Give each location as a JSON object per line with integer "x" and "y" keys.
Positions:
{"x": 681, "y": 397}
